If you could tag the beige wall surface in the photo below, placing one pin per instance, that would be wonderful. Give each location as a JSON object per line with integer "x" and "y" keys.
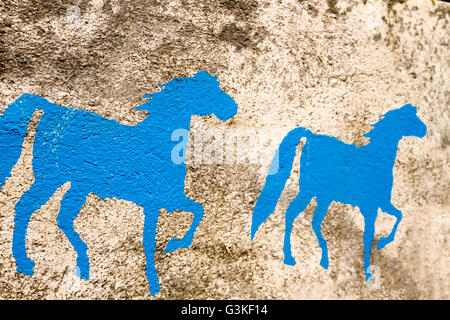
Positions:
{"x": 332, "y": 66}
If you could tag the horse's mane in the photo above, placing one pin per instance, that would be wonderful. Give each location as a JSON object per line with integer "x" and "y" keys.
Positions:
{"x": 156, "y": 98}
{"x": 387, "y": 120}
{"x": 377, "y": 127}
{"x": 159, "y": 100}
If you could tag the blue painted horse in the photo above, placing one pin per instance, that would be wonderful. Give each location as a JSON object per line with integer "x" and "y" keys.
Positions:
{"x": 332, "y": 170}
{"x": 109, "y": 159}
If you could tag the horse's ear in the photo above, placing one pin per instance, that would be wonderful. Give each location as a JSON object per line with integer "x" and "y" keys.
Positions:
{"x": 145, "y": 106}
{"x": 410, "y": 107}
{"x": 204, "y": 75}
{"x": 368, "y": 134}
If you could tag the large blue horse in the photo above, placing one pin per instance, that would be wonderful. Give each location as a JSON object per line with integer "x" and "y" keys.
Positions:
{"x": 332, "y": 170}
{"x": 109, "y": 159}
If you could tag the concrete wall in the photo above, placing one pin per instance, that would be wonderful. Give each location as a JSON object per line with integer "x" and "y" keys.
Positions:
{"x": 331, "y": 66}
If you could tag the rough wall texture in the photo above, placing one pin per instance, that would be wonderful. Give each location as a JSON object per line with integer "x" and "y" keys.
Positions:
{"x": 331, "y": 66}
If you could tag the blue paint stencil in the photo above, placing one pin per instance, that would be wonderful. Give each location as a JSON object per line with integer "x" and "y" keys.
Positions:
{"x": 109, "y": 159}
{"x": 332, "y": 170}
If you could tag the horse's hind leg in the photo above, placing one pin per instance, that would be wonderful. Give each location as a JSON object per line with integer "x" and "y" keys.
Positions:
{"x": 319, "y": 214}
{"x": 39, "y": 193}
{"x": 197, "y": 209}
{"x": 370, "y": 216}
{"x": 71, "y": 205}
{"x": 396, "y": 213}
{"x": 149, "y": 241}
{"x": 297, "y": 206}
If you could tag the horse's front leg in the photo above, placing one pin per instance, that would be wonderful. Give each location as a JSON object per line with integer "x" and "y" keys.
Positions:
{"x": 149, "y": 241}
{"x": 318, "y": 216}
{"x": 370, "y": 215}
{"x": 197, "y": 209}
{"x": 390, "y": 209}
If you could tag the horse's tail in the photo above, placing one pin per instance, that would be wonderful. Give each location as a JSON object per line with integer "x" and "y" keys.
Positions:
{"x": 13, "y": 128}
{"x": 275, "y": 183}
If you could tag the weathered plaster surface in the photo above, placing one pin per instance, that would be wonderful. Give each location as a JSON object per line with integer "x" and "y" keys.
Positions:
{"x": 331, "y": 66}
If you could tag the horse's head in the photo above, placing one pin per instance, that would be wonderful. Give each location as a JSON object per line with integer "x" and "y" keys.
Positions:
{"x": 402, "y": 122}
{"x": 197, "y": 95}
{"x": 210, "y": 98}
{"x": 407, "y": 121}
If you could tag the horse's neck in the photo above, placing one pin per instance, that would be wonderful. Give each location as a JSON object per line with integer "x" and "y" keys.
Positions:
{"x": 384, "y": 149}
{"x": 167, "y": 122}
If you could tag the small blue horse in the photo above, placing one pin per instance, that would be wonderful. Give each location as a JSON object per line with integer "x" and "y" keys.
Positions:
{"x": 109, "y": 159}
{"x": 332, "y": 170}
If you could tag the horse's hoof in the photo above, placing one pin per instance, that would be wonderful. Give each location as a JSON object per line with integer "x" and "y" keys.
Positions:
{"x": 324, "y": 263}
{"x": 289, "y": 261}
{"x": 26, "y": 267}
{"x": 382, "y": 243}
{"x": 175, "y": 244}
{"x": 83, "y": 268}
{"x": 154, "y": 289}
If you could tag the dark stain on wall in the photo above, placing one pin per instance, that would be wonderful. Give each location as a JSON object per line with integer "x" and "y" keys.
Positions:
{"x": 241, "y": 9}
{"x": 445, "y": 140}
{"x": 237, "y": 36}
{"x": 391, "y": 3}
{"x": 332, "y": 8}
{"x": 312, "y": 11}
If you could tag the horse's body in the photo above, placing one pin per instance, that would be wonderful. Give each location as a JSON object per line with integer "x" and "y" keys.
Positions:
{"x": 109, "y": 159}
{"x": 332, "y": 170}
{"x": 344, "y": 172}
